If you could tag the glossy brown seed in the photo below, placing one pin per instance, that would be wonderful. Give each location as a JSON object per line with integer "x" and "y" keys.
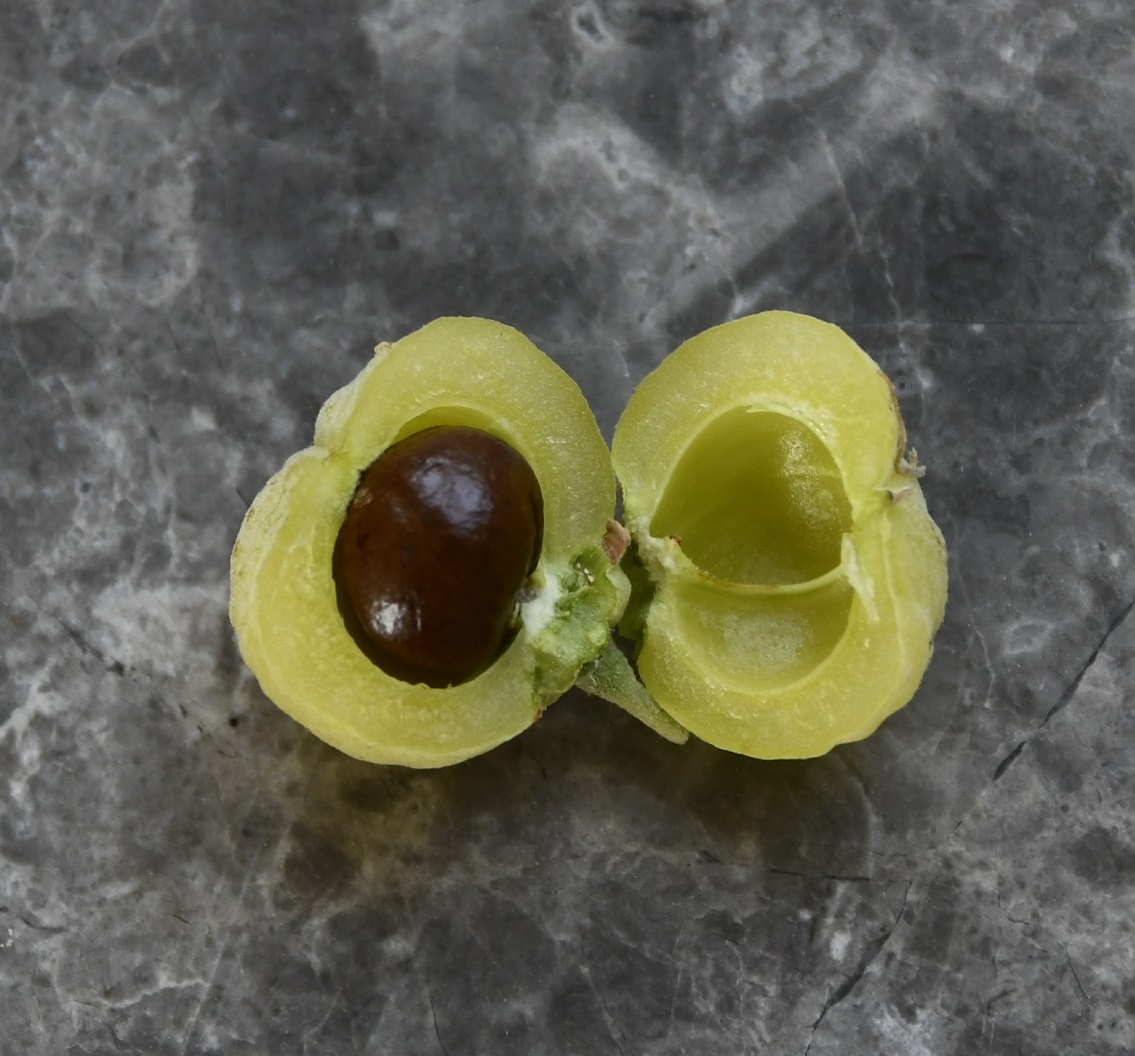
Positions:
{"x": 443, "y": 530}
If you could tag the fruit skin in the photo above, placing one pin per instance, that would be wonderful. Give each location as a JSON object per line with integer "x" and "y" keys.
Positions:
{"x": 283, "y": 602}
{"x": 706, "y": 656}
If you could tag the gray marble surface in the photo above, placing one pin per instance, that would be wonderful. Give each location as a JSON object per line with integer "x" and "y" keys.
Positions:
{"x": 209, "y": 213}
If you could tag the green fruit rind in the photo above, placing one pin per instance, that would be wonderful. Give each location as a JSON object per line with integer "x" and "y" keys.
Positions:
{"x": 283, "y": 603}
{"x": 786, "y": 668}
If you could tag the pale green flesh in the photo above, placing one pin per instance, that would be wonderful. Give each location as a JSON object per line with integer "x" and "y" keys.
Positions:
{"x": 756, "y": 498}
{"x": 451, "y": 415}
{"x": 792, "y": 634}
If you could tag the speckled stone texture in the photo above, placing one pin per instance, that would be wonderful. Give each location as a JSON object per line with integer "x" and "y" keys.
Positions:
{"x": 210, "y": 212}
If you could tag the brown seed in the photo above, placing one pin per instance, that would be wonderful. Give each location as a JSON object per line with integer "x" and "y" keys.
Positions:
{"x": 439, "y": 538}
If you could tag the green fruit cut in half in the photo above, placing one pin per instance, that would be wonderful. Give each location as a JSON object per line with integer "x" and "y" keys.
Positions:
{"x": 483, "y": 377}
{"x": 794, "y": 579}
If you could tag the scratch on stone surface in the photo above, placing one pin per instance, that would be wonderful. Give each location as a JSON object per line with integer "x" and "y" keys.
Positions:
{"x": 834, "y": 877}
{"x": 1008, "y": 991}
{"x": 829, "y": 155}
{"x": 975, "y": 632}
{"x": 857, "y": 775}
{"x": 677, "y": 977}
{"x": 1075, "y": 975}
{"x": 1069, "y": 693}
{"x": 30, "y": 921}
{"x": 870, "y": 954}
{"x": 774, "y": 205}
{"x": 226, "y": 941}
{"x": 210, "y": 329}
{"x": 22, "y": 361}
{"x": 612, "y": 1028}
{"x": 1009, "y": 760}
{"x": 1074, "y": 685}
{"x": 316, "y": 1027}
{"x": 1022, "y": 923}
{"x": 44, "y": 384}
{"x": 112, "y": 665}
{"x": 437, "y": 1030}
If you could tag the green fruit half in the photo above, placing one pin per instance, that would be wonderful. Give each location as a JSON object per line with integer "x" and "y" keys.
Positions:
{"x": 470, "y": 372}
{"x": 794, "y": 579}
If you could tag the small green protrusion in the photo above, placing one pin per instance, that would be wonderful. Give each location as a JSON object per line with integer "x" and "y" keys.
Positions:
{"x": 610, "y": 677}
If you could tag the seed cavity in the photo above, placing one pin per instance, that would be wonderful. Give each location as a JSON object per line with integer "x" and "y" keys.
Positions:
{"x": 756, "y": 498}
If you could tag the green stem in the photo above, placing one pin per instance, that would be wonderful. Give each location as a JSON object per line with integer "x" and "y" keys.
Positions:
{"x": 610, "y": 677}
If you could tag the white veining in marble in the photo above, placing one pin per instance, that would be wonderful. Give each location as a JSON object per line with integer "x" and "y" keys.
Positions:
{"x": 209, "y": 214}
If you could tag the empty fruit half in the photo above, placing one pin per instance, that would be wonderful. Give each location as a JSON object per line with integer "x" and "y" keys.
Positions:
{"x": 791, "y": 578}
